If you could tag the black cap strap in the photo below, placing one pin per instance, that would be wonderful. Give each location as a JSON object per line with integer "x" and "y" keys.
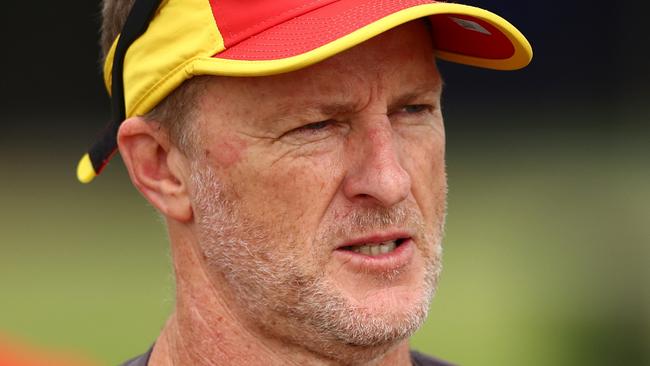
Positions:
{"x": 136, "y": 24}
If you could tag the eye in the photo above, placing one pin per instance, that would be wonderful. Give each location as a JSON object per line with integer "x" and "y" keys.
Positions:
{"x": 416, "y": 108}
{"x": 312, "y": 132}
{"x": 316, "y": 125}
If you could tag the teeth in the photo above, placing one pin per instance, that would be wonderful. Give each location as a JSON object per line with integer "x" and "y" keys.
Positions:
{"x": 375, "y": 249}
{"x": 387, "y": 248}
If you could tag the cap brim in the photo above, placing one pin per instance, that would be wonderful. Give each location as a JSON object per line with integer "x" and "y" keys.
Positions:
{"x": 461, "y": 33}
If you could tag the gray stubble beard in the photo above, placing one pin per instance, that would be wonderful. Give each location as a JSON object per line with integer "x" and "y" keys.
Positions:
{"x": 267, "y": 286}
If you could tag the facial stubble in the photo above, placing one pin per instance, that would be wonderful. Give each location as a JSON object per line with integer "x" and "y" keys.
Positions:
{"x": 267, "y": 283}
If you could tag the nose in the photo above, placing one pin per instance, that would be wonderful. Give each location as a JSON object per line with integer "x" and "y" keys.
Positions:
{"x": 375, "y": 174}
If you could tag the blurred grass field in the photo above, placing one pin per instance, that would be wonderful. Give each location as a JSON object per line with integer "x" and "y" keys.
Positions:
{"x": 547, "y": 250}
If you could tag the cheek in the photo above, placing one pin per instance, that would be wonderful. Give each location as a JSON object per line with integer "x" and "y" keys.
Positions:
{"x": 305, "y": 186}
{"x": 290, "y": 196}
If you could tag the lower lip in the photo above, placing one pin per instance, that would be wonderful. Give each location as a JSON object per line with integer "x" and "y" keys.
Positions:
{"x": 394, "y": 260}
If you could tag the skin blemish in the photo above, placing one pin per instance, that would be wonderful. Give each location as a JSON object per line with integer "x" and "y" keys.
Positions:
{"x": 228, "y": 152}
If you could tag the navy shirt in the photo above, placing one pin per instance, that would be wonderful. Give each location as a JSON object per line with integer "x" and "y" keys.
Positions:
{"x": 417, "y": 359}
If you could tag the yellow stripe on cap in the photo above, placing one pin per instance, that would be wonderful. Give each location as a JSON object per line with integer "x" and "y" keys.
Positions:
{"x": 85, "y": 171}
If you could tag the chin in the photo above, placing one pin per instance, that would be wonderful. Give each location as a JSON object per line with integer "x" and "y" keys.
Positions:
{"x": 370, "y": 329}
{"x": 390, "y": 316}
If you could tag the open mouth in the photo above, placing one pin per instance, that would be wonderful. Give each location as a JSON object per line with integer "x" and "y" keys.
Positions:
{"x": 376, "y": 249}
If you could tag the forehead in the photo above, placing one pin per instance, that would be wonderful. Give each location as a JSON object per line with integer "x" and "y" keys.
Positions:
{"x": 395, "y": 62}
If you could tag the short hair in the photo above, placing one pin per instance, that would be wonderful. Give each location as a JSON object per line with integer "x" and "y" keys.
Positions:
{"x": 176, "y": 112}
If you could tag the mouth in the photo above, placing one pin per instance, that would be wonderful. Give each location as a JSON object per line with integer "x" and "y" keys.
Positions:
{"x": 375, "y": 249}
{"x": 379, "y": 253}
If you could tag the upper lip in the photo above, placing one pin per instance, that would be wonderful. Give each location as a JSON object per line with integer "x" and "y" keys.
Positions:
{"x": 378, "y": 237}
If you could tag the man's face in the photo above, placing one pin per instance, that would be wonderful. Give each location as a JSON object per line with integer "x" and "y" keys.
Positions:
{"x": 319, "y": 195}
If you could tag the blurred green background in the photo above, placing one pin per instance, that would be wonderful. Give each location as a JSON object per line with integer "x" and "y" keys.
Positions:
{"x": 547, "y": 249}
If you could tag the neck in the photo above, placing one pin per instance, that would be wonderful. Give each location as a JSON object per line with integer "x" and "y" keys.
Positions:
{"x": 204, "y": 330}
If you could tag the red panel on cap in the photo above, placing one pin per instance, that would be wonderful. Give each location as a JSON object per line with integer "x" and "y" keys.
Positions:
{"x": 329, "y": 23}
{"x": 449, "y": 35}
{"x": 316, "y": 28}
{"x": 240, "y": 19}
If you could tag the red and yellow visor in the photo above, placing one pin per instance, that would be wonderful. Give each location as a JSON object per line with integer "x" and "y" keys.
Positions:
{"x": 184, "y": 38}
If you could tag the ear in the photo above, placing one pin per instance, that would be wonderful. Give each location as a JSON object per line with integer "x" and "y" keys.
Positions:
{"x": 157, "y": 168}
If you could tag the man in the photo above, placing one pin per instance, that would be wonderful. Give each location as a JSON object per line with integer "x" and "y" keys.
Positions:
{"x": 296, "y": 151}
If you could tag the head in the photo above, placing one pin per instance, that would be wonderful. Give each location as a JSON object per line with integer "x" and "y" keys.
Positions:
{"x": 293, "y": 173}
{"x": 299, "y": 170}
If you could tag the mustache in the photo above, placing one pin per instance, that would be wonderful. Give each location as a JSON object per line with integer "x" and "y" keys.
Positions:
{"x": 362, "y": 220}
